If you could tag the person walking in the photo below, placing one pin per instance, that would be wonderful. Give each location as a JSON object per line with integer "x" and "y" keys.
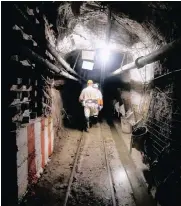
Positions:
{"x": 89, "y": 100}
{"x": 99, "y": 96}
{"x": 100, "y": 101}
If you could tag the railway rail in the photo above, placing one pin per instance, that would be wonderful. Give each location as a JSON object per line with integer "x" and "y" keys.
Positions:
{"x": 92, "y": 169}
{"x": 109, "y": 174}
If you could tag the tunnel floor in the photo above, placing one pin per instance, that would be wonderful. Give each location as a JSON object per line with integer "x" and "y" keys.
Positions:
{"x": 92, "y": 168}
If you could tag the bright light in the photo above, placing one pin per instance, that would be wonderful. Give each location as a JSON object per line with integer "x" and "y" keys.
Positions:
{"x": 87, "y": 65}
{"x": 100, "y": 44}
{"x": 104, "y": 50}
{"x": 104, "y": 54}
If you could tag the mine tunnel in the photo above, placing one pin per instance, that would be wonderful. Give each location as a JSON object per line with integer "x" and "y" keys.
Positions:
{"x": 129, "y": 152}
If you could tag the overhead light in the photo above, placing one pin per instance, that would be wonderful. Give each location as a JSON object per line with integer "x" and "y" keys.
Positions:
{"x": 87, "y": 65}
{"x": 100, "y": 44}
{"x": 104, "y": 54}
{"x": 88, "y": 55}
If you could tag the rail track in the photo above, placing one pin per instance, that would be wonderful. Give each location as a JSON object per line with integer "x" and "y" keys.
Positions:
{"x": 92, "y": 168}
{"x": 114, "y": 172}
{"x": 109, "y": 173}
{"x": 106, "y": 161}
{"x": 73, "y": 169}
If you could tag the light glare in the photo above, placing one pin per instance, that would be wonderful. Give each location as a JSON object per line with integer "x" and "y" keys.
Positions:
{"x": 104, "y": 54}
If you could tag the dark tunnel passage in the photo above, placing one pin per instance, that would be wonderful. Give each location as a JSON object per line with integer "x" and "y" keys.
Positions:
{"x": 109, "y": 88}
{"x": 130, "y": 153}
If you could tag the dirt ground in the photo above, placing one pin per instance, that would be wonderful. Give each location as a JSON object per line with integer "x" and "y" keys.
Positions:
{"x": 91, "y": 183}
{"x": 51, "y": 187}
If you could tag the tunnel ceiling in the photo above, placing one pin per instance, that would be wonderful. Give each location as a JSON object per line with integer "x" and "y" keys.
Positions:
{"x": 137, "y": 28}
{"x": 84, "y": 26}
{"x": 134, "y": 25}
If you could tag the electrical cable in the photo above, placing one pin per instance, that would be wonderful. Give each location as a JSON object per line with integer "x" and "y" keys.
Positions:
{"x": 167, "y": 74}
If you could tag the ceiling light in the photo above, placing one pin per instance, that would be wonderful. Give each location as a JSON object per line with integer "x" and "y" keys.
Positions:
{"x": 104, "y": 54}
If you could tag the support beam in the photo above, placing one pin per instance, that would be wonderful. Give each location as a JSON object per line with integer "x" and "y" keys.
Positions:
{"x": 30, "y": 27}
{"x": 108, "y": 29}
{"x": 107, "y": 40}
{"x": 32, "y": 55}
{"x": 61, "y": 60}
{"x": 76, "y": 60}
{"x": 37, "y": 35}
{"x": 152, "y": 57}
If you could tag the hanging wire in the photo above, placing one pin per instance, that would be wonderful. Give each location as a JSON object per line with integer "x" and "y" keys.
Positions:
{"x": 166, "y": 129}
{"x": 167, "y": 74}
{"x": 159, "y": 121}
{"x": 155, "y": 140}
{"x": 160, "y": 133}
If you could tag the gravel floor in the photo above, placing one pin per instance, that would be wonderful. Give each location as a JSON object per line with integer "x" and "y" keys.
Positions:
{"x": 52, "y": 185}
{"x": 91, "y": 184}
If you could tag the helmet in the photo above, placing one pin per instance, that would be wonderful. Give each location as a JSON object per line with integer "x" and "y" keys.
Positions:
{"x": 89, "y": 82}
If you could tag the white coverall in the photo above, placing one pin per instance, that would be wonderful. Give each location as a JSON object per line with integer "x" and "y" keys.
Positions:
{"x": 89, "y": 96}
{"x": 100, "y": 101}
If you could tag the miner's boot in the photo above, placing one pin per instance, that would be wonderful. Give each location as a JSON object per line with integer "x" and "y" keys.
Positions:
{"x": 96, "y": 120}
{"x": 87, "y": 125}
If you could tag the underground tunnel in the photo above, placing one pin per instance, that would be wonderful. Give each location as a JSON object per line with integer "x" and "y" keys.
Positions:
{"x": 54, "y": 150}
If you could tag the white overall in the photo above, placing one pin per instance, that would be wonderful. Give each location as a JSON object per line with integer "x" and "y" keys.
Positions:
{"x": 89, "y": 97}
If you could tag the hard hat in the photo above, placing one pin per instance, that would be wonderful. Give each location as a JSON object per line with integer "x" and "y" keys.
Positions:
{"x": 89, "y": 82}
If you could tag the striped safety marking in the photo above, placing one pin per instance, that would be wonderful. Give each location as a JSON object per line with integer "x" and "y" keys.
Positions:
{"x": 52, "y": 135}
{"x": 38, "y": 158}
{"x": 43, "y": 142}
{"x": 22, "y": 162}
{"x": 35, "y": 146}
{"x": 46, "y": 140}
{"x": 49, "y": 137}
{"x": 31, "y": 154}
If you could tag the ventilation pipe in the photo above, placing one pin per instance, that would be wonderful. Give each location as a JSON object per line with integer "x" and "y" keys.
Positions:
{"x": 150, "y": 58}
{"x": 61, "y": 60}
{"x": 32, "y": 55}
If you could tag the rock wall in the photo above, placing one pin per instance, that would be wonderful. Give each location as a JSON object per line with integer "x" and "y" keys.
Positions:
{"x": 31, "y": 124}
